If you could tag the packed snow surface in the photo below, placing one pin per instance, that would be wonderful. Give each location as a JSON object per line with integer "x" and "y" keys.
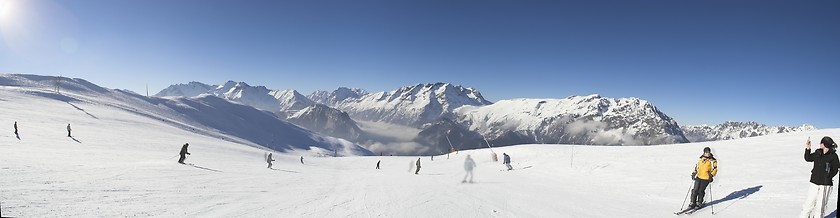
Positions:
{"x": 122, "y": 164}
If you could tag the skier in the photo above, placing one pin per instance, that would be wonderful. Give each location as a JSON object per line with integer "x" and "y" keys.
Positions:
{"x": 301, "y": 159}
{"x": 506, "y": 161}
{"x": 418, "y": 166}
{"x": 68, "y": 130}
{"x": 16, "y": 128}
{"x": 825, "y": 168}
{"x": 184, "y": 153}
{"x": 433, "y": 158}
{"x": 269, "y": 159}
{"x": 377, "y": 164}
{"x": 705, "y": 169}
{"x": 469, "y": 165}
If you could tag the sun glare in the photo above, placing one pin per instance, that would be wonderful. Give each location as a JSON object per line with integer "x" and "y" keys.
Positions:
{"x": 7, "y": 11}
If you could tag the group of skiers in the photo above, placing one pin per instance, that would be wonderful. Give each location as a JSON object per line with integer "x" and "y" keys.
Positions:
{"x": 269, "y": 159}
{"x": 825, "y": 160}
{"x": 18, "y": 134}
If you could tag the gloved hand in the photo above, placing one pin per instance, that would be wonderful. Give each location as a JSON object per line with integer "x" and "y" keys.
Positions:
{"x": 693, "y": 176}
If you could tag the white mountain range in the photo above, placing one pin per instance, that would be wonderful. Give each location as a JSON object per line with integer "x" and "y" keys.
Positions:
{"x": 589, "y": 120}
{"x": 411, "y": 105}
{"x": 258, "y": 97}
{"x": 334, "y": 97}
{"x": 736, "y": 130}
{"x": 586, "y": 120}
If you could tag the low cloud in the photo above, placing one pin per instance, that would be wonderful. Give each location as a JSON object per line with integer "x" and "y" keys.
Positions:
{"x": 392, "y": 139}
{"x": 598, "y": 135}
{"x": 585, "y": 127}
{"x": 397, "y": 148}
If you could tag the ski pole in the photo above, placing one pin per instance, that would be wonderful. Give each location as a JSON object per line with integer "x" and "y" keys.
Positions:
{"x": 686, "y": 196}
{"x": 712, "y": 197}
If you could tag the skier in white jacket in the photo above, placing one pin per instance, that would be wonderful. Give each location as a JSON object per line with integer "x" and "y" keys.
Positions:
{"x": 469, "y": 165}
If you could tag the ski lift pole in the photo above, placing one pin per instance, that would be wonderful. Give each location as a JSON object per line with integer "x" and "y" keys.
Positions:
{"x": 488, "y": 143}
{"x": 450, "y": 142}
{"x": 494, "y": 156}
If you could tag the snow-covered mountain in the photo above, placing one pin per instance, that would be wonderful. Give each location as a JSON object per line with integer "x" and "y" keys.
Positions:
{"x": 411, "y": 105}
{"x": 260, "y": 97}
{"x": 291, "y": 100}
{"x": 591, "y": 120}
{"x": 586, "y": 120}
{"x": 255, "y": 96}
{"x": 206, "y": 115}
{"x": 329, "y": 121}
{"x": 191, "y": 89}
{"x": 334, "y": 97}
{"x": 736, "y": 130}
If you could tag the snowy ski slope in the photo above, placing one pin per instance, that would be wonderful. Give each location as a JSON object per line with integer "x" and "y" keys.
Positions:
{"x": 122, "y": 164}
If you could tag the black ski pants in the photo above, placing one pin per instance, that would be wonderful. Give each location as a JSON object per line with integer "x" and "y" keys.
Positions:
{"x": 699, "y": 192}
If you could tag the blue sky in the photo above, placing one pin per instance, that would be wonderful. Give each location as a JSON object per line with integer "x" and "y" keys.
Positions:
{"x": 774, "y": 62}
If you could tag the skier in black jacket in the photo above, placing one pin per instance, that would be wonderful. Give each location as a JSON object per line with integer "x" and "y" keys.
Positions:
{"x": 825, "y": 168}
{"x": 184, "y": 153}
{"x": 506, "y": 161}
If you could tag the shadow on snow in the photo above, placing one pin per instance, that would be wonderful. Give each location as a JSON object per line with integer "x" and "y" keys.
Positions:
{"x": 736, "y": 195}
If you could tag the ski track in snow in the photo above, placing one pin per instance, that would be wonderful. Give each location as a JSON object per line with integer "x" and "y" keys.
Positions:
{"x": 126, "y": 167}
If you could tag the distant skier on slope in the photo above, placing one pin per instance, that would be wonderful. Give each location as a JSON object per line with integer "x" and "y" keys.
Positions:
{"x": 301, "y": 159}
{"x": 16, "y": 131}
{"x": 68, "y": 130}
{"x": 377, "y": 164}
{"x": 469, "y": 165}
{"x": 183, "y": 153}
{"x": 506, "y": 161}
{"x": 269, "y": 160}
{"x": 418, "y": 166}
{"x": 825, "y": 168}
{"x": 702, "y": 175}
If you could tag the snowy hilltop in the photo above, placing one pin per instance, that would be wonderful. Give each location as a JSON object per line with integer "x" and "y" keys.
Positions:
{"x": 204, "y": 114}
{"x": 736, "y": 130}
{"x": 191, "y": 89}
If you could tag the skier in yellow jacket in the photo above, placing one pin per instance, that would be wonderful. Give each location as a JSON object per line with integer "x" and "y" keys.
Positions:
{"x": 703, "y": 173}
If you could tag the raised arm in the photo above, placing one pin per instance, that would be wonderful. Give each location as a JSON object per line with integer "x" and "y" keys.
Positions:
{"x": 808, "y": 156}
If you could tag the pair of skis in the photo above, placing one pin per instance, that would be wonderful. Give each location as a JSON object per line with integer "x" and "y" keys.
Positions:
{"x": 690, "y": 211}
